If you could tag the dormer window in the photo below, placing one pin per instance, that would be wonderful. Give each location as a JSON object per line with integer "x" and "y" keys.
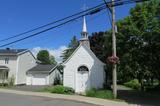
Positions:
{"x": 6, "y": 60}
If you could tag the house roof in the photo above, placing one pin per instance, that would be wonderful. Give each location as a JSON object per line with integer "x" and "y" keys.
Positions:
{"x": 89, "y": 50}
{"x": 41, "y": 69}
{"x": 12, "y": 51}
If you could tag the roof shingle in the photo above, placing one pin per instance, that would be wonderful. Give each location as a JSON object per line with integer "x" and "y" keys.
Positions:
{"x": 41, "y": 69}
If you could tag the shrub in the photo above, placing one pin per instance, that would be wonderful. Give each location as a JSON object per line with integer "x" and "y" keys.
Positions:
{"x": 133, "y": 84}
{"x": 11, "y": 80}
{"x": 61, "y": 90}
{"x": 57, "y": 80}
{"x": 69, "y": 90}
{"x": 3, "y": 84}
{"x": 58, "y": 89}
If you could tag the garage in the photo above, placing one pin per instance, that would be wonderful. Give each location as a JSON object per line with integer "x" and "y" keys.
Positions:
{"x": 41, "y": 75}
{"x": 39, "y": 79}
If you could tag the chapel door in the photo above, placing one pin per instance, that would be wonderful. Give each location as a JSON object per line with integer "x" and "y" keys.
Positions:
{"x": 83, "y": 82}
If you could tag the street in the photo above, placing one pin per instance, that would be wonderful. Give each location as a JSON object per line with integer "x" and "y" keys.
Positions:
{"x": 7, "y": 99}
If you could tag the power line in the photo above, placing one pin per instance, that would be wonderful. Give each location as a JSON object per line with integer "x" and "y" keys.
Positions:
{"x": 89, "y": 13}
{"x": 117, "y": 2}
{"x": 18, "y": 35}
{"x": 44, "y": 30}
{"x": 77, "y": 21}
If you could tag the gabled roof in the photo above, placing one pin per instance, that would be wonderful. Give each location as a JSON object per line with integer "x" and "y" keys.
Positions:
{"x": 12, "y": 51}
{"x": 42, "y": 69}
{"x": 88, "y": 49}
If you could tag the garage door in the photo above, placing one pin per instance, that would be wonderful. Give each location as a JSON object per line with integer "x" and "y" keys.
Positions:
{"x": 39, "y": 80}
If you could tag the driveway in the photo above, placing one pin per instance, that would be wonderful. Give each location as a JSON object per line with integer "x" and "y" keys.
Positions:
{"x": 7, "y": 99}
{"x": 137, "y": 97}
{"x": 28, "y": 88}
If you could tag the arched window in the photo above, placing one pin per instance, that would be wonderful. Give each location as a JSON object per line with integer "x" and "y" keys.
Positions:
{"x": 83, "y": 69}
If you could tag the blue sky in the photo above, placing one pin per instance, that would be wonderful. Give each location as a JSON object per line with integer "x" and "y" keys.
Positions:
{"x": 21, "y": 15}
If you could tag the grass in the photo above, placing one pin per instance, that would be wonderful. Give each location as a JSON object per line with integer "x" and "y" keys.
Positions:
{"x": 104, "y": 94}
{"x": 134, "y": 84}
{"x": 100, "y": 93}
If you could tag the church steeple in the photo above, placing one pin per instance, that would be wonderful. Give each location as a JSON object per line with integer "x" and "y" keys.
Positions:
{"x": 84, "y": 34}
{"x": 84, "y": 25}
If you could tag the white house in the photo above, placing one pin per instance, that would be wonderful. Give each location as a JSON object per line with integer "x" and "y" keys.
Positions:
{"x": 14, "y": 63}
{"x": 42, "y": 75}
{"x": 83, "y": 70}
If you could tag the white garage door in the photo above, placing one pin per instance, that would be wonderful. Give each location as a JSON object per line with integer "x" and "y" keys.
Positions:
{"x": 39, "y": 80}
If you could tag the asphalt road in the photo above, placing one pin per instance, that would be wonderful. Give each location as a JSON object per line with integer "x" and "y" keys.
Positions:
{"x": 7, "y": 99}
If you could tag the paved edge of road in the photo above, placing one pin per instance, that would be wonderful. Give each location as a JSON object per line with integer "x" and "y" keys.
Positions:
{"x": 95, "y": 101}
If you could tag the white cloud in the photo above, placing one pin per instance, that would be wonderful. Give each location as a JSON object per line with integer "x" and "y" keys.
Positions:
{"x": 55, "y": 52}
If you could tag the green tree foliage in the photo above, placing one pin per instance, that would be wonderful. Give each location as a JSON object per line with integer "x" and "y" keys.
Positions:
{"x": 71, "y": 47}
{"x": 45, "y": 58}
{"x": 52, "y": 60}
{"x": 140, "y": 50}
{"x": 138, "y": 44}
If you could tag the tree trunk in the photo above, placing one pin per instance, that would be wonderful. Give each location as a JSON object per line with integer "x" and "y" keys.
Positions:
{"x": 152, "y": 81}
{"x": 142, "y": 85}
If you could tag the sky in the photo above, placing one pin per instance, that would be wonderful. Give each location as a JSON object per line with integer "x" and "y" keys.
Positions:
{"x": 18, "y": 16}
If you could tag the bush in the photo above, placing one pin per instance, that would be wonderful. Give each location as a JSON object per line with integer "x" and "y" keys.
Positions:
{"x": 61, "y": 90}
{"x": 57, "y": 80}
{"x": 3, "y": 84}
{"x": 69, "y": 90}
{"x": 104, "y": 94}
{"x": 58, "y": 89}
{"x": 133, "y": 84}
{"x": 11, "y": 81}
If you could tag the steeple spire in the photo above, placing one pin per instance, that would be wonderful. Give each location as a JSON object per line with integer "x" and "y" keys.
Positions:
{"x": 84, "y": 39}
{"x": 84, "y": 25}
{"x": 84, "y": 29}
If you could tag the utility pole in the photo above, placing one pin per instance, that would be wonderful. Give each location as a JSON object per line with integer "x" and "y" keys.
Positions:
{"x": 114, "y": 55}
{"x": 114, "y": 68}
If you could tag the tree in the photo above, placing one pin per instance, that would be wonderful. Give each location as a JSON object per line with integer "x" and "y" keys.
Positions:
{"x": 71, "y": 48}
{"x": 138, "y": 44}
{"x": 52, "y": 60}
{"x": 137, "y": 41}
{"x": 45, "y": 57}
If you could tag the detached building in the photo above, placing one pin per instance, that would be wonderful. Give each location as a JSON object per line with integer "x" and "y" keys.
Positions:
{"x": 42, "y": 75}
{"x": 83, "y": 70}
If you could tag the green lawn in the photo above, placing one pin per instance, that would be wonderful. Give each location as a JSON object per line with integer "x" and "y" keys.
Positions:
{"x": 104, "y": 94}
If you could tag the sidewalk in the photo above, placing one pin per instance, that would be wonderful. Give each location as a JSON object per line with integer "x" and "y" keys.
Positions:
{"x": 94, "y": 101}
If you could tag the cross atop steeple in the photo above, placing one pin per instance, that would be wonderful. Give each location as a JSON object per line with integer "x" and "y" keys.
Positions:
{"x": 84, "y": 7}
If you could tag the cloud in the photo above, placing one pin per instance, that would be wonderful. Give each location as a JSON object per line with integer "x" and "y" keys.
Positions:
{"x": 55, "y": 52}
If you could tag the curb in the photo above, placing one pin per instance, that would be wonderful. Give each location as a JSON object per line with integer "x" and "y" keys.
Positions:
{"x": 95, "y": 101}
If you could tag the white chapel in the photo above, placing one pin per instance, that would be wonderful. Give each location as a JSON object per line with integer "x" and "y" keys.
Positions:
{"x": 83, "y": 70}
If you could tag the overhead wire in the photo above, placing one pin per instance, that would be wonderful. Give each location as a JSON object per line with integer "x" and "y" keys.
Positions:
{"x": 43, "y": 30}
{"x": 51, "y": 23}
{"x": 95, "y": 10}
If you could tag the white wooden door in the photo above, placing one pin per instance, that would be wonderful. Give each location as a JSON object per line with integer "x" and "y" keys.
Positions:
{"x": 82, "y": 81}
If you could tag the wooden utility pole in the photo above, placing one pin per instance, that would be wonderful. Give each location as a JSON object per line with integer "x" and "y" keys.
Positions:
{"x": 114, "y": 68}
